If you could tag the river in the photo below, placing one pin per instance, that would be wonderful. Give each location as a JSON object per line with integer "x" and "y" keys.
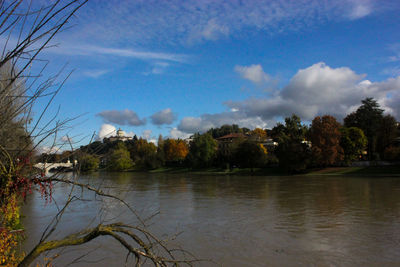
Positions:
{"x": 237, "y": 220}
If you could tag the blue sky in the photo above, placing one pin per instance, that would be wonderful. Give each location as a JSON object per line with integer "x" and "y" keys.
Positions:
{"x": 178, "y": 67}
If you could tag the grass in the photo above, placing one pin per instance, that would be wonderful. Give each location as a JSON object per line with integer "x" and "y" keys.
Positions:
{"x": 392, "y": 170}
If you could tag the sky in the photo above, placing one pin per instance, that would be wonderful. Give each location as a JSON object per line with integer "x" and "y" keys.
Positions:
{"x": 179, "y": 67}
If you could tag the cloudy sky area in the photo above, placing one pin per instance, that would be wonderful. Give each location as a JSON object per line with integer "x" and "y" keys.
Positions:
{"x": 179, "y": 67}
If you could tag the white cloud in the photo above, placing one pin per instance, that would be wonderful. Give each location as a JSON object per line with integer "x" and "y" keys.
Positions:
{"x": 211, "y": 31}
{"x": 133, "y": 23}
{"x": 175, "y": 134}
{"x": 66, "y": 139}
{"x": 95, "y": 73}
{"x": 49, "y": 150}
{"x": 123, "y": 117}
{"x": 107, "y": 130}
{"x": 360, "y": 8}
{"x": 207, "y": 121}
{"x": 165, "y": 116}
{"x": 253, "y": 73}
{"x": 316, "y": 90}
{"x": 82, "y": 49}
{"x": 146, "y": 134}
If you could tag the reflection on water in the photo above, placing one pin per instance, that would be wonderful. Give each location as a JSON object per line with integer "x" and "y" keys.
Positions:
{"x": 238, "y": 220}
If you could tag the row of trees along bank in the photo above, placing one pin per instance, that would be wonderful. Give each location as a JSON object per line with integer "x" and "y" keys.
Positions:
{"x": 367, "y": 134}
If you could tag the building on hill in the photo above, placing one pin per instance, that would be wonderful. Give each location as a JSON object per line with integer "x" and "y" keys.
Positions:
{"x": 226, "y": 141}
{"x": 121, "y": 136}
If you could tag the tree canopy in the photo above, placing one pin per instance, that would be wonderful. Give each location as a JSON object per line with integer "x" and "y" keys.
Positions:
{"x": 324, "y": 135}
{"x": 368, "y": 118}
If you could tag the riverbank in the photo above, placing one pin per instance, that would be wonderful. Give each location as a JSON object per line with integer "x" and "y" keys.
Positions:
{"x": 393, "y": 170}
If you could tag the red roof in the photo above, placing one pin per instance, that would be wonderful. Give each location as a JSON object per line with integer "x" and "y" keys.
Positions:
{"x": 232, "y": 135}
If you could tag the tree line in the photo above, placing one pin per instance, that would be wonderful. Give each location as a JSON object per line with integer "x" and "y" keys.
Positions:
{"x": 366, "y": 134}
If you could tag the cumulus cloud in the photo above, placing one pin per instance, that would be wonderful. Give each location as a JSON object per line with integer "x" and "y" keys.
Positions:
{"x": 207, "y": 121}
{"x": 107, "y": 130}
{"x": 316, "y": 90}
{"x": 66, "y": 140}
{"x": 165, "y": 116}
{"x": 123, "y": 117}
{"x": 212, "y": 30}
{"x": 49, "y": 150}
{"x": 253, "y": 73}
{"x": 146, "y": 134}
{"x": 177, "y": 134}
{"x": 360, "y": 8}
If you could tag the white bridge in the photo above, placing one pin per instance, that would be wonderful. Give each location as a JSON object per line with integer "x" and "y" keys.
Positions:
{"x": 48, "y": 166}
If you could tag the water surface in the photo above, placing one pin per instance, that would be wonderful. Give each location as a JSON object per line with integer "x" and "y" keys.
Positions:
{"x": 238, "y": 220}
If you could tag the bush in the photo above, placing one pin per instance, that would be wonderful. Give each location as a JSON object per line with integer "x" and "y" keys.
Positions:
{"x": 88, "y": 162}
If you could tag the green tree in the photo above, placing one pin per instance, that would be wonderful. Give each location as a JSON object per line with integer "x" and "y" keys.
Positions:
{"x": 88, "y": 162}
{"x": 324, "y": 135}
{"x": 353, "y": 142}
{"x": 250, "y": 154}
{"x": 226, "y": 129}
{"x": 119, "y": 159}
{"x": 293, "y": 152}
{"x": 387, "y": 133}
{"x": 144, "y": 154}
{"x": 368, "y": 118}
{"x": 202, "y": 151}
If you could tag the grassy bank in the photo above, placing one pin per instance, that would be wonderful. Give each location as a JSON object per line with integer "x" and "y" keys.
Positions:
{"x": 359, "y": 171}
{"x": 275, "y": 171}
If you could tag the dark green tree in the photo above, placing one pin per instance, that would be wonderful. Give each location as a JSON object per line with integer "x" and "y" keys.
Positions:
{"x": 226, "y": 129}
{"x": 119, "y": 159}
{"x": 353, "y": 142}
{"x": 293, "y": 152}
{"x": 387, "y": 133}
{"x": 88, "y": 162}
{"x": 368, "y": 118}
{"x": 250, "y": 154}
{"x": 202, "y": 150}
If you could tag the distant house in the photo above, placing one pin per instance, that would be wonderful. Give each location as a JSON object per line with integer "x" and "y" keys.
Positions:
{"x": 226, "y": 141}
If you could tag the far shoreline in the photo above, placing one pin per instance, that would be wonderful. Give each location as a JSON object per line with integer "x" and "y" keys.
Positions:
{"x": 366, "y": 171}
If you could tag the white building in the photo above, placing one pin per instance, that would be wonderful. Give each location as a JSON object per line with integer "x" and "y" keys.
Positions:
{"x": 121, "y": 136}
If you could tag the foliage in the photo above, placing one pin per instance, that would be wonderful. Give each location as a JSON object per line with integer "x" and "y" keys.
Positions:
{"x": 144, "y": 154}
{"x": 88, "y": 162}
{"x": 250, "y": 154}
{"x": 175, "y": 150}
{"x": 353, "y": 142}
{"x": 293, "y": 153}
{"x": 119, "y": 159}
{"x": 324, "y": 135}
{"x": 258, "y": 134}
{"x": 387, "y": 133}
{"x": 368, "y": 118}
{"x": 203, "y": 150}
{"x": 226, "y": 129}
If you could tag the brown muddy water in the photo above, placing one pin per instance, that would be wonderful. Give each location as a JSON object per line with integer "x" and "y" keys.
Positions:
{"x": 236, "y": 220}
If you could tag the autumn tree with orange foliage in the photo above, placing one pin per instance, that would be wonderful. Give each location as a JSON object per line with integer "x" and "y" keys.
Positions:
{"x": 175, "y": 150}
{"x": 259, "y": 134}
{"x": 325, "y": 135}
